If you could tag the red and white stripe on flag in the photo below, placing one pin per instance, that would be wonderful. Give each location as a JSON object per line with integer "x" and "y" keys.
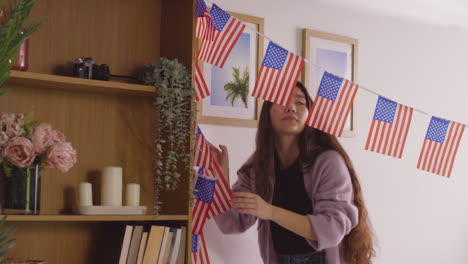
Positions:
{"x": 201, "y": 255}
{"x": 201, "y": 89}
{"x": 205, "y": 28}
{"x": 223, "y": 194}
{"x": 227, "y": 32}
{"x": 199, "y": 216}
{"x": 389, "y": 128}
{"x": 202, "y": 157}
{"x": 332, "y": 104}
{"x": 278, "y": 75}
{"x": 440, "y": 146}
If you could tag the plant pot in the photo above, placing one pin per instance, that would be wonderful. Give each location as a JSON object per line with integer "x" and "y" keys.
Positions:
{"x": 22, "y": 191}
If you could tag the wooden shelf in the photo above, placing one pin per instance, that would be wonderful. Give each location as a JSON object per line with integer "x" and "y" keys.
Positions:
{"x": 93, "y": 218}
{"x": 70, "y": 83}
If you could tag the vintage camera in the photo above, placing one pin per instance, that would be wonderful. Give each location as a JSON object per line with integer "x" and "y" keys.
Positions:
{"x": 86, "y": 68}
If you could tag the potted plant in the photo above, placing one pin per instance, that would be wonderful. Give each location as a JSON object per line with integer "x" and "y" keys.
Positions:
{"x": 26, "y": 147}
{"x": 175, "y": 107}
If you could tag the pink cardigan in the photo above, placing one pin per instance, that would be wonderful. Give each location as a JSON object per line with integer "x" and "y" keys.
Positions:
{"x": 329, "y": 188}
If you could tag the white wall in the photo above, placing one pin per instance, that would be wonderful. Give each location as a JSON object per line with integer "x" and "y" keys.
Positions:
{"x": 418, "y": 217}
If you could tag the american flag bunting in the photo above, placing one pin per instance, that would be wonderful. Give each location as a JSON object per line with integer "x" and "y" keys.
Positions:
{"x": 332, "y": 104}
{"x": 389, "y": 128}
{"x": 223, "y": 194}
{"x": 199, "y": 250}
{"x": 440, "y": 146}
{"x": 205, "y": 26}
{"x": 202, "y": 157}
{"x": 201, "y": 89}
{"x": 228, "y": 30}
{"x": 278, "y": 75}
{"x": 204, "y": 191}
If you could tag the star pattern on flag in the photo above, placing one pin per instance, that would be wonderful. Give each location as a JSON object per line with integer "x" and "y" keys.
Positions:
{"x": 329, "y": 86}
{"x": 385, "y": 110}
{"x": 437, "y": 130}
{"x": 194, "y": 243}
{"x": 276, "y": 56}
{"x": 204, "y": 189}
{"x": 220, "y": 17}
{"x": 201, "y": 7}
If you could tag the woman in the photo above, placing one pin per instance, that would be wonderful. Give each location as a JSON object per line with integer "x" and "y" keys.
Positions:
{"x": 301, "y": 186}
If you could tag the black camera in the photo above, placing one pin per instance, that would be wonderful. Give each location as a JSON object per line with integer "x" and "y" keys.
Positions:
{"x": 86, "y": 68}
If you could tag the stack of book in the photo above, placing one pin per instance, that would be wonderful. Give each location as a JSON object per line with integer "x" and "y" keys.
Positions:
{"x": 160, "y": 245}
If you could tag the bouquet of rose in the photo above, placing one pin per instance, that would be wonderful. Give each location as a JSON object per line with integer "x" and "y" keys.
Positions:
{"x": 24, "y": 142}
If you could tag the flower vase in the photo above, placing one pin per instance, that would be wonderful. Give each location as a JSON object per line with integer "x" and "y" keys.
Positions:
{"x": 22, "y": 190}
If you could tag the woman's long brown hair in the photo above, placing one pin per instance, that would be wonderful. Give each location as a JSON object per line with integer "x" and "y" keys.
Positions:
{"x": 358, "y": 244}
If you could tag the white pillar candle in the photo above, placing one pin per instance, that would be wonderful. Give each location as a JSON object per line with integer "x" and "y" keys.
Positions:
{"x": 133, "y": 194}
{"x": 111, "y": 186}
{"x": 86, "y": 194}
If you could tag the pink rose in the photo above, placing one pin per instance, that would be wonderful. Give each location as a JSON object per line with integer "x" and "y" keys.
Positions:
{"x": 19, "y": 119}
{"x": 19, "y": 151}
{"x": 3, "y": 138}
{"x": 7, "y": 118}
{"x": 42, "y": 138}
{"x": 57, "y": 136}
{"x": 61, "y": 156}
{"x": 13, "y": 130}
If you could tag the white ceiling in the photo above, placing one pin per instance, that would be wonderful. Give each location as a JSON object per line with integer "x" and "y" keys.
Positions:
{"x": 445, "y": 12}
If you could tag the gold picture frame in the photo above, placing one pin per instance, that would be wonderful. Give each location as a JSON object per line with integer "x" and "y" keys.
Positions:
{"x": 334, "y": 53}
{"x": 210, "y": 110}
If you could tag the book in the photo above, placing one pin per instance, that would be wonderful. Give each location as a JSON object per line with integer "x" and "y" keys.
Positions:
{"x": 141, "y": 250}
{"x": 165, "y": 246}
{"x": 135, "y": 244}
{"x": 125, "y": 244}
{"x": 183, "y": 243}
{"x": 153, "y": 245}
{"x": 175, "y": 246}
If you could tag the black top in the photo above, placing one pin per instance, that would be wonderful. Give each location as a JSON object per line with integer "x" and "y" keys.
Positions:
{"x": 289, "y": 193}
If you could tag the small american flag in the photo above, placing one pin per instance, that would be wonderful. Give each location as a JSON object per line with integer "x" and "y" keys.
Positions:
{"x": 199, "y": 250}
{"x": 201, "y": 89}
{"x": 205, "y": 25}
{"x": 332, "y": 104}
{"x": 227, "y": 32}
{"x": 223, "y": 194}
{"x": 202, "y": 157}
{"x": 440, "y": 146}
{"x": 389, "y": 128}
{"x": 278, "y": 75}
{"x": 204, "y": 191}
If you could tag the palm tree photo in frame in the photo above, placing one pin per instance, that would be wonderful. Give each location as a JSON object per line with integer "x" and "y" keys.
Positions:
{"x": 230, "y": 102}
{"x": 332, "y": 53}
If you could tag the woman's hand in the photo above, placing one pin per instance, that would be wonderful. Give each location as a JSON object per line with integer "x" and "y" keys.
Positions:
{"x": 221, "y": 157}
{"x": 249, "y": 203}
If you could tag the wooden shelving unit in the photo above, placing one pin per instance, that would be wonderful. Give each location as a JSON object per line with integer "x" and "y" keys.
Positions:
{"x": 109, "y": 123}
{"x": 77, "y": 84}
{"x": 94, "y": 218}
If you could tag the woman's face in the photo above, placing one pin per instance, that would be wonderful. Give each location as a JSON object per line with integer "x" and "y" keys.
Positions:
{"x": 290, "y": 120}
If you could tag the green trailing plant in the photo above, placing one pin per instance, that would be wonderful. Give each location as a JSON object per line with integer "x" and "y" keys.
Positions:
{"x": 13, "y": 32}
{"x": 174, "y": 103}
{"x": 6, "y": 242}
{"x": 239, "y": 87}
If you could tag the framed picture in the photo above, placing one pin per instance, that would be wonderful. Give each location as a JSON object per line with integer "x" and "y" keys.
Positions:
{"x": 230, "y": 102}
{"x": 332, "y": 53}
